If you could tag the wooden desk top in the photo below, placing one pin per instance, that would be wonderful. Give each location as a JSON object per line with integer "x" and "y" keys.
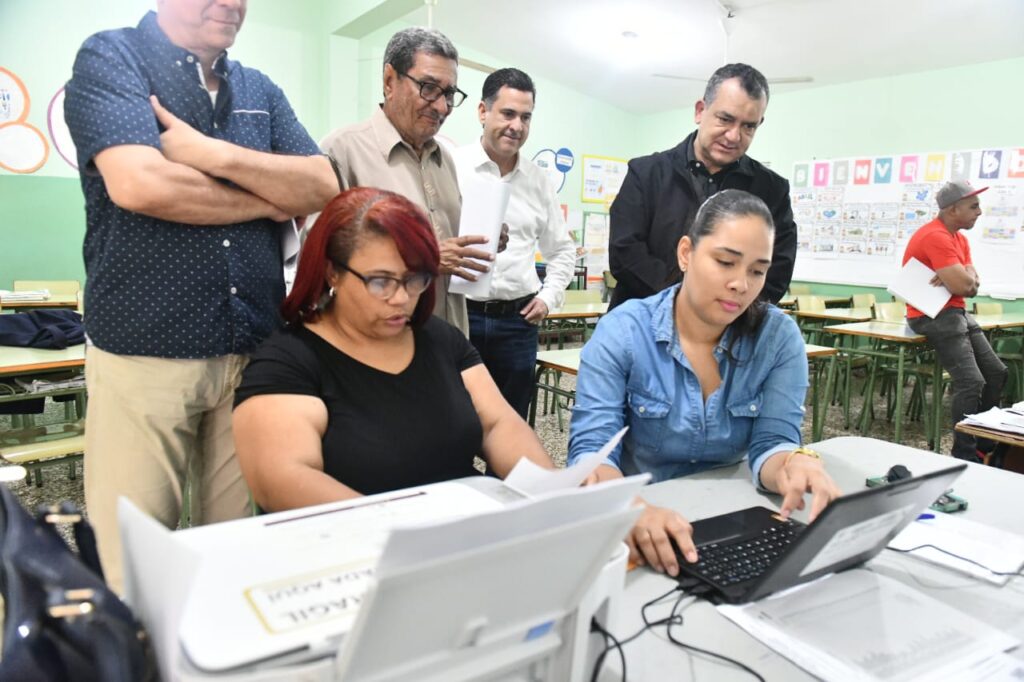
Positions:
{"x": 998, "y": 436}
{"x": 15, "y": 360}
{"x": 877, "y": 329}
{"x": 568, "y": 359}
{"x": 790, "y": 301}
{"x": 55, "y": 301}
{"x": 1000, "y": 321}
{"x": 571, "y": 310}
{"x": 838, "y": 314}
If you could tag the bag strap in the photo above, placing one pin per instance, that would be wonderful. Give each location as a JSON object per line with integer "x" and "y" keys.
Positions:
{"x": 85, "y": 537}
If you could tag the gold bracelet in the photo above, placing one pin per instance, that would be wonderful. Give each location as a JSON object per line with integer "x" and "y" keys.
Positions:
{"x": 800, "y": 451}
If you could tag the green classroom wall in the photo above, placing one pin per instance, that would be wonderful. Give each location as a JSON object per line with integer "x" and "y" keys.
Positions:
{"x": 333, "y": 80}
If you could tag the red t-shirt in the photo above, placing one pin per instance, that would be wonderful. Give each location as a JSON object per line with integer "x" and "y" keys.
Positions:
{"x": 938, "y": 248}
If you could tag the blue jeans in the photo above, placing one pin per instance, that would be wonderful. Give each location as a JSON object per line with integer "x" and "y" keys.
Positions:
{"x": 978, "y": 374}
{"x": 508, "y": 346}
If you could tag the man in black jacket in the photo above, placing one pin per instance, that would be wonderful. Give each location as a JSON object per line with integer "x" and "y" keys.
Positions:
{"x": 662, "y": 192}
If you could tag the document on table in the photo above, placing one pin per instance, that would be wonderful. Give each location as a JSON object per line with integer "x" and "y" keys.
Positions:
{"x": 913, "y": 285}
{"x": 484, "y": 203}
{"x": 859, "y": 625}
{"x": 996, "y": 549}
{"x": 531, "y": 479}
{"x": 1009, "y": 419}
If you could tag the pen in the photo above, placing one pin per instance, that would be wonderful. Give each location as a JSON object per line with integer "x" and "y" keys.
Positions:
{"x": 925, "y": 517}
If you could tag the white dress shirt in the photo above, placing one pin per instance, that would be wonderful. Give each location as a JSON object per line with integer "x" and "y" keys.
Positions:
{"x": 535, "y": 222}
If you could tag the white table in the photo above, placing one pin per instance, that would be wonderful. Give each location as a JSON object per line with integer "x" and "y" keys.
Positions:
{"x": 993, "y": 495}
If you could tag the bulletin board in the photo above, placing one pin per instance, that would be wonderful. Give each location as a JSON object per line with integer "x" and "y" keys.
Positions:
{"x": 854, "y": 216}
{"x": 602, "y": 179}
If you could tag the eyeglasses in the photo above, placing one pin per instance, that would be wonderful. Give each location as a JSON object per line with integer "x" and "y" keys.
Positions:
{"x": 383, "y": 286}
{"x": 432, "y": 92}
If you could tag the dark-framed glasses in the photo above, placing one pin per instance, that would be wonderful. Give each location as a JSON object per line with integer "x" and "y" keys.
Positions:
{"x": 385, "y": 286}
{"x": 432, "y": 92}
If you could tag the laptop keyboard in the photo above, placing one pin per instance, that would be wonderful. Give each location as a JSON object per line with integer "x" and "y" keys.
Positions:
{"x": 728, "y": 563}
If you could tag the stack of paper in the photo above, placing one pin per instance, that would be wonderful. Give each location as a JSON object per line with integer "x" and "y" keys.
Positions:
{"x": 32, "y": 296}
{"x": 1008, "y": 420}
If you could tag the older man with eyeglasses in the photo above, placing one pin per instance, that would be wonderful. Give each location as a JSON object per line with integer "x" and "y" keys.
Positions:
{"x": 395, "y": 149}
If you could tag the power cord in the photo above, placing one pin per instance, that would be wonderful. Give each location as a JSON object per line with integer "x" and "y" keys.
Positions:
{"x": 676, "y": 619}
{"x": 957, "y": 556}
{"x": 610, "y": 642}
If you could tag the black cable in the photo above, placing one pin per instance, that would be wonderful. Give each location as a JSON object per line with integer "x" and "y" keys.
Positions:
{"x": 696, "y": 649}
{"x": 616, "y": 644}
{"x": 596, "y": 627}
{"x": 957, "y": 556}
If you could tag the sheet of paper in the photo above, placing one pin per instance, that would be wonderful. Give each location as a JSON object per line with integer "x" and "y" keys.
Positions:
{"x": 912, "y": 284}
{"x": 484, "y": 203}
{"x": 902, "y": 634}
{"x": 1010, "y": 420}
{"x": 997, "y": 549}
{"x": 531, "y": 479}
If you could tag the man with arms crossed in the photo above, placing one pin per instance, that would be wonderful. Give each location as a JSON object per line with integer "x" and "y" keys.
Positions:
{"x": 978, "y": 374}
{"x": 503, "y": 327}
{"x": 188, "y": 160}
{"x": 395, "y": 150}
{"x": 662, "y": 192}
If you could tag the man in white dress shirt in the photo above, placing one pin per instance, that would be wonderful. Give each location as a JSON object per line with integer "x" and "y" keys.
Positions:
{"x": 503, "y": 328}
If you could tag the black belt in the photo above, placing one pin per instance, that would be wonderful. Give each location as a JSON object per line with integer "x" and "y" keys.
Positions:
{"x": 499, "y": 308}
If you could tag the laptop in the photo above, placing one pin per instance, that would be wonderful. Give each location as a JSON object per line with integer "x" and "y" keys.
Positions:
{"x": 752, "y": 553}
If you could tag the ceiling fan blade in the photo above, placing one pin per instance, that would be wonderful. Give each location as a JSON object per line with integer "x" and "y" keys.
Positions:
{"x": 679, "y": 78}
{"x": 477, "y": 66}
{"x": 790, "y": 79}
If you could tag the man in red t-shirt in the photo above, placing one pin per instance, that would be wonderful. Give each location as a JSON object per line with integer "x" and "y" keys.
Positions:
{"x": 978, "y": 374}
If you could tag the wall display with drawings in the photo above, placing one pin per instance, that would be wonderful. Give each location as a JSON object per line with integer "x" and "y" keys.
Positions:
{"x": 854, "y": 216}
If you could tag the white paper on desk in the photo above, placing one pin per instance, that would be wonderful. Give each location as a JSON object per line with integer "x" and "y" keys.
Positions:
{"x": 484, "y": 203}
{"x": 1008, "y": 420}
{"x": 532, "y": 479}
{"x": 912, "y": 284}
{"x": 997, "y": 549}
{"x": 860, "y": 625}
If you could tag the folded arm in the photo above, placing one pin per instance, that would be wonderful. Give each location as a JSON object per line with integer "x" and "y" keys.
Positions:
{"x": 140, "y": 179}
{"x": 297, "y": 184}
{"x": 961, "y": 280}
{"x": 278, "y": 442}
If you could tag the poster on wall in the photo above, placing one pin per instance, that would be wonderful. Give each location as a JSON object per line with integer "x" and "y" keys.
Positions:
{"x": 855, "y": 216}
{"x": 23, "y": 148}
{"x": 602, "y": 178}
{"x": 595, "y": 230}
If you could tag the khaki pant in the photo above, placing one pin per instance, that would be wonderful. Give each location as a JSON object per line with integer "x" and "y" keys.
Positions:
{"x": 152, "y": 424}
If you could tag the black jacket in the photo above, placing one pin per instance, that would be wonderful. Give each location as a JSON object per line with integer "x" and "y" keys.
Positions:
{"x": 656, "y": 206}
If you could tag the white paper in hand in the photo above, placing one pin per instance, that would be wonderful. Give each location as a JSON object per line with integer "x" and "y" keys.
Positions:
{"x": 484, "y": 203}
{"x": 531, "y": 479}
{"x": 913, "y": 285}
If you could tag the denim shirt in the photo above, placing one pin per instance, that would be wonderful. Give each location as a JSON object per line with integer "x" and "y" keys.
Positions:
{"x": 633, "y": 372}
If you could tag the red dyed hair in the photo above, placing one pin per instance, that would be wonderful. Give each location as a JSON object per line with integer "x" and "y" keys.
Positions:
{"x": 345, "y": 221}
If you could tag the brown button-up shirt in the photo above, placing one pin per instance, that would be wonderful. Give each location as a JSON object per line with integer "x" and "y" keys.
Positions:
{"x": 373, "y": 154}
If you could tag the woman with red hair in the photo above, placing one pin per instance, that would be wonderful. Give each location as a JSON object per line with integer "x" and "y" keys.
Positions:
{"x": 364, "y": 391}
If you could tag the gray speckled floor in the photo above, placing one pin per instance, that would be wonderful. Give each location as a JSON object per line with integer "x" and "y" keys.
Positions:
{"x": 57, "y": 486}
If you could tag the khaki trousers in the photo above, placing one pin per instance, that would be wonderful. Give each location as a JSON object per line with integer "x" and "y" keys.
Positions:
{"x": 152, "y": 425}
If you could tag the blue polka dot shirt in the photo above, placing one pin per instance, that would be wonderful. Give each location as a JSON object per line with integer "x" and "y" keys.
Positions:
{"x": 160, "y": 288}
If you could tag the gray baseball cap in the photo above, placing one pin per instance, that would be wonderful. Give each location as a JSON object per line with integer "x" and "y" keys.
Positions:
{"x": 954, "y": 191}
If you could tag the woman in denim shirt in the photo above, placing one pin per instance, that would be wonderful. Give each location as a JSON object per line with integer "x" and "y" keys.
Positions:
{"x": 704, "y": 375}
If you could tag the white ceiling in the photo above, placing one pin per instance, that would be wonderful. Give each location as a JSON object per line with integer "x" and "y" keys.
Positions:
{"x": 579, "y": 43}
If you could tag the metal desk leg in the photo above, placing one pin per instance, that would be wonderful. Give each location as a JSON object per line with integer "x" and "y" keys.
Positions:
{"x": 899, "y": 393}
{"x": 536, "y": 396}
{"x": 818, "y": 421}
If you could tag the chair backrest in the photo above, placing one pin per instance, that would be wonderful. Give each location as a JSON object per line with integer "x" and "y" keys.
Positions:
{"x": 891, "y": 312}
{"x": 810, "y": 303}
{"x": 609, "y": 279}
{"x": 988, "y": 308}
{"x": 582, "y": 296}
{"x": 863, "y": 300}
{"x": 60, "y": 287}
{"x": 799, "y": 289}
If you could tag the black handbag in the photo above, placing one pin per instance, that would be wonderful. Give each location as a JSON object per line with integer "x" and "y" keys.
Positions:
{"x": 61, "y": 621}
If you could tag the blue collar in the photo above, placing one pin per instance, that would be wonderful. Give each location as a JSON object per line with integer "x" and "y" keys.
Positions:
{"x": 663, "y": 325}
